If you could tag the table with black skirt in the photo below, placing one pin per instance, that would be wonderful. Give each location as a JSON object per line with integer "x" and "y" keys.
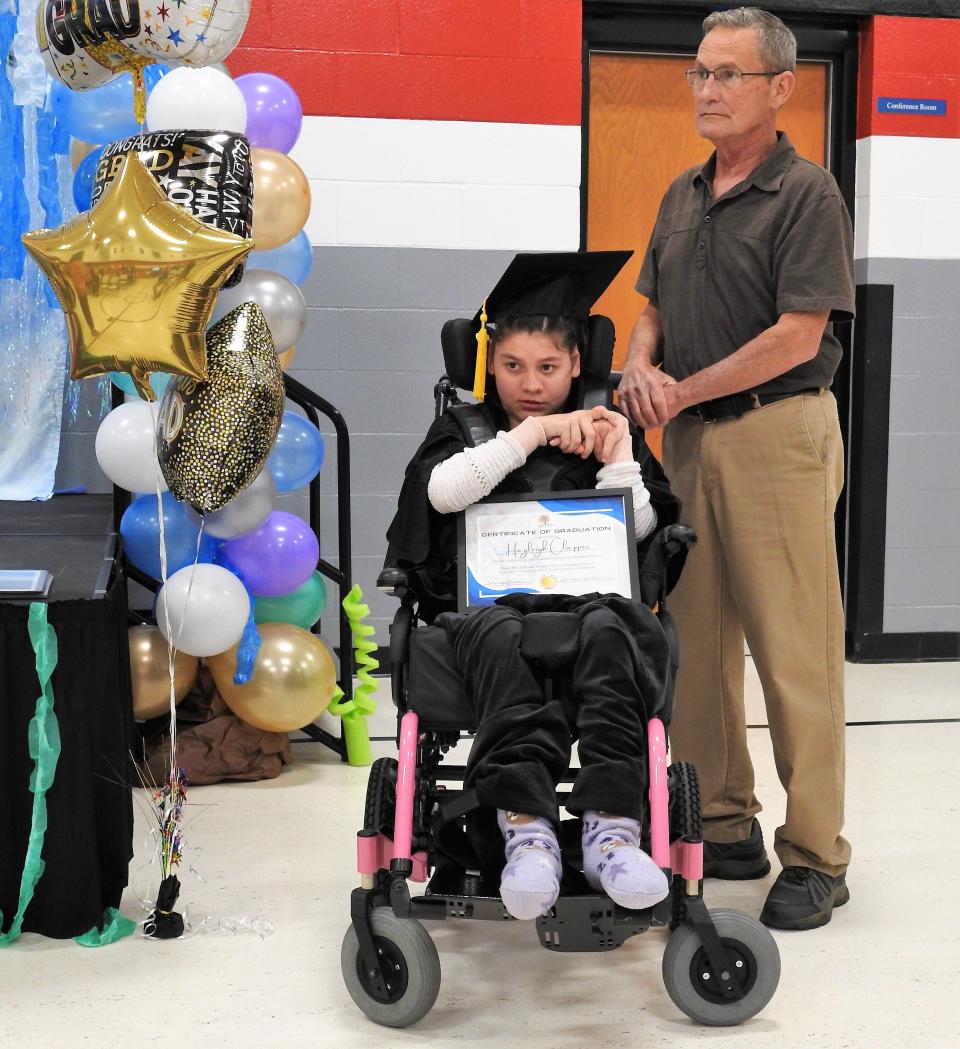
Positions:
{"x": 89, "y": 838}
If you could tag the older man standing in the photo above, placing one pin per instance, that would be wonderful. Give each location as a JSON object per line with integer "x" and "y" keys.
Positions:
{"x": 749, "y": 261}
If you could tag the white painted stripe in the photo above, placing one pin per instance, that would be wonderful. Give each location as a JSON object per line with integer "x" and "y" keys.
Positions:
{"x": 356, "y": 149}
{"x": 908, "y": 198}
{"x": 441, "y": 184}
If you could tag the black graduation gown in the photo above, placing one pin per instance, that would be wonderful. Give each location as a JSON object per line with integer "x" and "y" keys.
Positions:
{"x": 424, "y": 542}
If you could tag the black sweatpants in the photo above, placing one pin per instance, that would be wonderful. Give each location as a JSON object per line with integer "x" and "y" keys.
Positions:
{"x": 523, "y": 741}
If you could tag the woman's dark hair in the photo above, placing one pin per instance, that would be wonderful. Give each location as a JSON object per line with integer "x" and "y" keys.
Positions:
{"x": 565, "y": 331}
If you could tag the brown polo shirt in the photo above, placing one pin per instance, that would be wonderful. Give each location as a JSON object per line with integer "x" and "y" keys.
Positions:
{"x": 722, "y": 271}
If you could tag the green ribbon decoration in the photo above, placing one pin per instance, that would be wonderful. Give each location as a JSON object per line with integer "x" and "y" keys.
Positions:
{"x": 115, "y": 927}
{"x": 354, "y": 712}
{"x": 43, "y": 740}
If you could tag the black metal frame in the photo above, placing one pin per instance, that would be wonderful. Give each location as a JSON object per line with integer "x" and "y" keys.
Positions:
{"x": 313, "y": 406}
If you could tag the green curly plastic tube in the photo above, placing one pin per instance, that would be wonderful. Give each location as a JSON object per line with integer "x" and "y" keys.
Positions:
{"x": 354, "y": 712}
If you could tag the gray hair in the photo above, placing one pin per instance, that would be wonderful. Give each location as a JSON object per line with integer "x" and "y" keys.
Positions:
{"x": 776, "y": 44}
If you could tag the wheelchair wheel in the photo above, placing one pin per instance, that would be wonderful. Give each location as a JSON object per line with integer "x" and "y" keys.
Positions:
{"x": 692, "y": 984}
{"x": 684, "y": 787}
{"x": 412, "y": 956}
{"x": 381, "y": 800}
{"x": 685, "y": 822}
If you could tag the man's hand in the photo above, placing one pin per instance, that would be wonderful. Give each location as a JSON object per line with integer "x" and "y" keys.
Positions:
{"x": 645, "y": 395}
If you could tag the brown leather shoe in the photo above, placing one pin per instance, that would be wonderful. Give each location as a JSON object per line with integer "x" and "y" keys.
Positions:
{"x": 803, "y": 898}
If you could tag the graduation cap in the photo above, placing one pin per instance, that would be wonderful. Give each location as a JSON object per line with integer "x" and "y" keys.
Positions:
{"x": 551, "y": 284}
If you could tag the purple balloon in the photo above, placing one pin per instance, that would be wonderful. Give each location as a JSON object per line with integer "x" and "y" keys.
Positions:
{"x": 275, "y": 559}
{"x": 274, "y": 113}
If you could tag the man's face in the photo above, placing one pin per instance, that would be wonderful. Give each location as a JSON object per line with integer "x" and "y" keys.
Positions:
{"x": 728, "y": 113}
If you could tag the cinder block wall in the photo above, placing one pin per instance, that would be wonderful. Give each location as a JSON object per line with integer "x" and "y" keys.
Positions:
{"x": 908, "y": 235}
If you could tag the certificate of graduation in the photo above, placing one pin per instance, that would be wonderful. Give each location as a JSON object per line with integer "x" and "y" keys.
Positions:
{"x": 578, "y": 543}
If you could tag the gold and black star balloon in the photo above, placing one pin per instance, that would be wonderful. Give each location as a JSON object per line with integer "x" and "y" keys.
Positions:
{"x": 215, "y": 435}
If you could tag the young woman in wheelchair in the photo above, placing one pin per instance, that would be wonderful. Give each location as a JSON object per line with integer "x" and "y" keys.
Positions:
{"x": 529, "y": 385}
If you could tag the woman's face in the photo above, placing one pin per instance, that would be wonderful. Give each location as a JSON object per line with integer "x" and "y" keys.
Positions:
{"x": 533, "y": 374}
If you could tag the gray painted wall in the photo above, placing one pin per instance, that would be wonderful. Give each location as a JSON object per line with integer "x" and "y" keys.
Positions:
{"x": 922, "y": 573}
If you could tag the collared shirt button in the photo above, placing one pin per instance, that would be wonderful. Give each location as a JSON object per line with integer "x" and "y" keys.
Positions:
{"x": 706, "y": 218}
{"x": 701, "y": 245}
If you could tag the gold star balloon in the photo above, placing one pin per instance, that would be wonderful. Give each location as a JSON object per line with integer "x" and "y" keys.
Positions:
{"x": 137, "y": 277}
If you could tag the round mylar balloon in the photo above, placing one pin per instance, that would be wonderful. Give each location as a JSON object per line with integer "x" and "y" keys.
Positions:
{"x": 208, "y": 608}
{"x": 291, "y": 686}
{"x": 126, "y": 448}
{"x": 196, "y": 98}
{"x": 149, "y": 671}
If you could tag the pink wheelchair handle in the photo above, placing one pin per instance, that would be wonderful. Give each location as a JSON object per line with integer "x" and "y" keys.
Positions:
{"x": 406, "y": 786}
{"x": 659, "y": 793}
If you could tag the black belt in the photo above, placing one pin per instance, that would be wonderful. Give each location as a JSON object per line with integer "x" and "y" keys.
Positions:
{"x": 738, "y": 404}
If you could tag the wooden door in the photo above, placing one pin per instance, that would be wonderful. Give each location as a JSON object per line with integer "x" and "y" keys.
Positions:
{"x": 642, "y": 135}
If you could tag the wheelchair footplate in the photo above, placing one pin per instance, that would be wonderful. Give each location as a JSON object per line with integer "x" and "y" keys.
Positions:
{"x": 595, "y": 923}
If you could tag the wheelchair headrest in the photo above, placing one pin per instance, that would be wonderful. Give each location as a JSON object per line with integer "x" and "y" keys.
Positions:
{"x": 459, "y": 342}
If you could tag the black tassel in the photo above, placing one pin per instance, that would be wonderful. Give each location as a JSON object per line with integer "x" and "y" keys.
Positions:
{"x": 164, "y": 923}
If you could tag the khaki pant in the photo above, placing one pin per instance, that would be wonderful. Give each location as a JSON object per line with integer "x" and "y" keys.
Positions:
{"x": 761, "y": 492}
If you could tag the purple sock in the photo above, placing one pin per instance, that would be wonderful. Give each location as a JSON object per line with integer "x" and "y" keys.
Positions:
{"x": 614, "y": 863}
{"x": 530, "y": 883}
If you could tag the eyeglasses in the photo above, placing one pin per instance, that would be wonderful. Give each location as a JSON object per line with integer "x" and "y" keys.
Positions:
{"x": 724, "y": 77}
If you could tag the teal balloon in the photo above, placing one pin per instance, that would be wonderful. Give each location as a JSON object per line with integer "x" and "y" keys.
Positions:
{"x": 158, "y": 380}
{"x": 301, "y": 607}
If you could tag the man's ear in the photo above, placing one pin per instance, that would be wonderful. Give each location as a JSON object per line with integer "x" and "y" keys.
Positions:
{"x": 783, "y": 86}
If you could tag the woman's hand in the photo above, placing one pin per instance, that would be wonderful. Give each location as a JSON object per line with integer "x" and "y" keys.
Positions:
{"x": 610, "y": 428}
{"x": 571, "y": 432}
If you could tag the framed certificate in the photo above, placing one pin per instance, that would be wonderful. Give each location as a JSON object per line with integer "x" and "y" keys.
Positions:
{"x": 573, "y": 543}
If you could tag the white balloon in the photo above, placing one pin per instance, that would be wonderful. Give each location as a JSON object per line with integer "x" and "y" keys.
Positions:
{"x": 126, "y": 448}
{"x": 196, "y": 98}
{"x": 243, "y": 513}
{"x": 213, "y": 618}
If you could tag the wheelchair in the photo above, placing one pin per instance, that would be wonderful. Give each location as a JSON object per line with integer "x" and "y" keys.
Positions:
{"x": 720, "y": 968}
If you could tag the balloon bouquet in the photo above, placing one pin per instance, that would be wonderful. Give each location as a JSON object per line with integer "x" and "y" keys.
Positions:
{"x": 155, "y": 256}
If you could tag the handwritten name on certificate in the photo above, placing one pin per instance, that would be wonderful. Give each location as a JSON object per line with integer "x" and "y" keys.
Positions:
{"x": 554, "y": 546}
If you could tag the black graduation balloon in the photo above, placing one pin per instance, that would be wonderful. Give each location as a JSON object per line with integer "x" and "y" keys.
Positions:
{"x": 206, "y": 172}
{"x": 215, "y": 435}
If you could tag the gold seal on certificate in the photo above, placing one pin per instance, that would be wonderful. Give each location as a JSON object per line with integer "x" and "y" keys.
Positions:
{"x": 576, "y": 543}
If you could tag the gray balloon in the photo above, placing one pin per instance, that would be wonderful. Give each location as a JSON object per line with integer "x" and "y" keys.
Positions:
{"x": 280, "y": 299}
{"x": 244, "y": 513}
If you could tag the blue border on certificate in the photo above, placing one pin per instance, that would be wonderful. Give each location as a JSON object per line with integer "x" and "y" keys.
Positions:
{"x": 617, "y": 503}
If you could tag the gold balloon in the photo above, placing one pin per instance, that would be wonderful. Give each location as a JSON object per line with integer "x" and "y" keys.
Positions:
{"x": 291, "y": 686}
{"x": 150, "y": 672}
{"x": 137, "y": 277}
{"x": 286, "y": 358}
{"x": 78, "y": 150}
{"x": 281, "y": 195}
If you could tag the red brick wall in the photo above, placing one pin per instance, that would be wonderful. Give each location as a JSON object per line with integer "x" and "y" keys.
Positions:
{"x": 515, "y": 61}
